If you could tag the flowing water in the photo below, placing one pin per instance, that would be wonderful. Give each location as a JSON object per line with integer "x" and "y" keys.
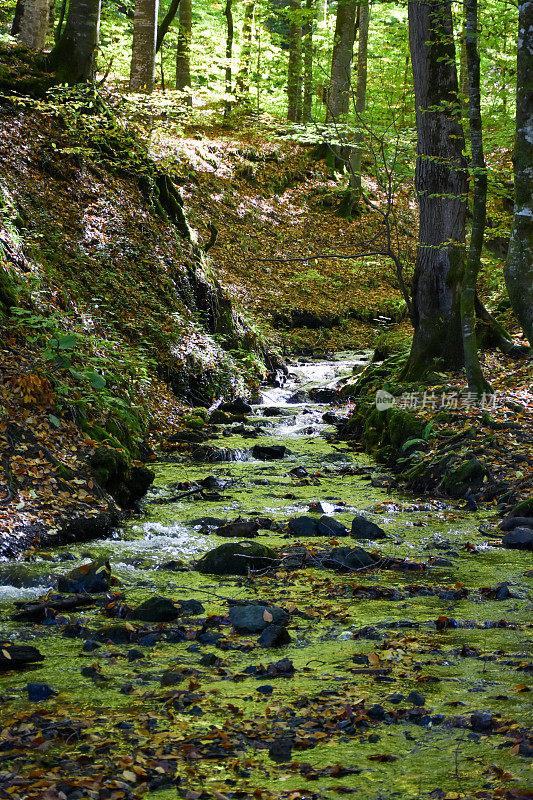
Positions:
{"x": 403, "y": 632}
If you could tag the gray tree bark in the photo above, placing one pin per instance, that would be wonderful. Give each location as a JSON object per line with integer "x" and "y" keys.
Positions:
{"x": 72, "y": 58}
{"x": 242, "y": 81}
{"x": 183, "y": 55}
{"x": 441, "y": 184}
{"x": 341, "y": 62}
{"x": 30, "y": 25}
{"x": 309, "y": 24}
{"x": 474, "y": 375}
{"x": 142, "y": 68}
{"x": 294, "y": 79}
{"x": 519, "y": 265}
{"x": 228, "y": 13}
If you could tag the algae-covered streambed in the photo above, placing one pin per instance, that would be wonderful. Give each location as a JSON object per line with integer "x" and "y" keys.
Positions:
{"x": 405, "y": 682}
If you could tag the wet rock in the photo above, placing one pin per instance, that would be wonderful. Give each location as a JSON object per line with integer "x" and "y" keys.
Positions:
{"x": 210, "y": 660}
{"x": 189, "y": 607}
{"x": 93, "y": 577}
{"x": 125, "y": 483}
{"x": 37, "y": 692}
{"x": 280, "y": 750}
{"x": 509, "y": 523}
{"x": 328, "y": 526}
{"x": 377, "y": 712}
{"x": 303, "y": 526}
{"x": 461, "y": 479}
{"x": 237, "y": 406}
{"x": 268, "y": 452}
{"x": 15, "y": 656}
{"x": 150, "y": 639}
{"x": 525, "y": 750}
{"x": 90, "y": 646}
{"x": 298, "y": 397}
{"x": 255, "y": 618}
{"x": 416, "y": 698}
{"x": 441, "y": 562}
{"x": 171, "y": 677}
{"x": 134, "y": 654}
{"x": 349, "y": 558}
{"x": 274, "y": 636}
{"x": 272, "y": 411}
{"x": 363, "y": 528}
{"x": 519, "y": 539}
{"x": 156, "y": 609}
{"x": 237, "y": 558}
{"x": 323, "y": 394}
{"x": 117, "y": 634}
{"x": 330, "y": 418}
{"x": 299, "y": 472}
{"x": 481, "y": 721}
{"x": 395, "y": 698}
{"x": 218, "y": 417}
{"x": 188, "y": 437}
{"x": 176, "y": 565}
{"x": 523, "y": 509}
{"x": 239, "y": 529}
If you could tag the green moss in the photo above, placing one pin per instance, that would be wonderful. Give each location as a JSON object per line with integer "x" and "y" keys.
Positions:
{"x": 8, "y": 292}
{"x": 468, "y": 475}
{"x": 523, "y": 509}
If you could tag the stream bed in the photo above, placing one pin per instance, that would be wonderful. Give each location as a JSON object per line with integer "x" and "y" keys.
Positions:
{"x": 403, "y": 681}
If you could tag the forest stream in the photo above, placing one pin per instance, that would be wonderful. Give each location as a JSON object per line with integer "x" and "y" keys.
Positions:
{"x": 414, "y": 669}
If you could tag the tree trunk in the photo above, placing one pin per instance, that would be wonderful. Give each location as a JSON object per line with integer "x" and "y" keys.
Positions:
{"x": 242, "y": 82}
{"x": 72, "y": 58}
{"x": 294, "y": 80}
{"x": 518, "y": 269}
{"x": 30, "y": 24}
{"x": 228, "y": 13}
{"x": 310, "y": 16}
{"x": 183, "y": 56}
{"x": 360, "y": 99}
{"x": 341, "y": 62}
{"x": 142, "y": 69}
{"x": 441, "y": 184}
{"x": 474, "y": 375}
{"x": 59, "y": 26}
{"x": 51, "y": 17}
{"x": 166, "y": 22}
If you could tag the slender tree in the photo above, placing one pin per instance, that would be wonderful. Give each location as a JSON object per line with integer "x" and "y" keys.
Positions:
{"x": 441, "y": 184}
{"x": 307, "y": 30}
{"x": 228, "y": 13}
{"x": 341, "y": 62}
{"x": 166, "y": 22}
{"x": 183, "y": 55}
{"x": 142, "y": 68}
{"x": 242, "y": 81}
{"x": 294, "y": 80}
{"x": 72, "y": 58}
{"x": 476, "y": 381}
{"x": 30, "y": 24}
{"x": 519, "y": 265}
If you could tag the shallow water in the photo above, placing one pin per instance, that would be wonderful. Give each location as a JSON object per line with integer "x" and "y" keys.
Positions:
{"x": 325, "y": 641}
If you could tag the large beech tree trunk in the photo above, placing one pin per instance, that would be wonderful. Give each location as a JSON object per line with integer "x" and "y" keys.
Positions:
{"x": 72, "y": 58}
{"x": 142, "y": 69}
{"x": 519, "y": 266}
{"x": 341, "y": 62}
{"x": 294, "y": 79}
{"x": 476, "y": 381}
{"x": 183, "y": 55}
{"x": 242, "y": 82}
{"x": 30, "y": 24}
{"x": 441, "y": 184}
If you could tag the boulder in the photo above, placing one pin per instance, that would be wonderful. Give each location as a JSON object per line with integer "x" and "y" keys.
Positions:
{"x": 298, "y": 397}
{"x": 322, "y": 394}
{"x": 17, "y": 656}
{"x": 92, "y": 577}
{"x": 237, "y": 406}
{"x": 509, "y": 523}
{"x": 272, "y": 411}
{"x": 523, "y": 509}
{"x": 463, "y": 478}
{"x": 117, "y": 634}
{"x": 127, "y": 484}
{"x": 255, "y": 618}
{"x": 37, "y": 692}
{"x": 303, "y": 526}
{"x": 274, "y": 636}
{"x": 519, "y": 539}
{"x": 236, "y": 558}
{"x": 268, "y": 452}
{"x": 162, "y": 609}
{"x": 363, "y": 528}
{"x": 329, "y": 526}
{"x": 349, "y": 558}
{"x": 239, "y": 529}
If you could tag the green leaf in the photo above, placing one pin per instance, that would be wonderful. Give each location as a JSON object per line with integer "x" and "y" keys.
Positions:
{"x": 96, "y": 380}
{"x": 54, "y": 420}
{"x": 411, "y": 442}
{"x": 67, "y": 342}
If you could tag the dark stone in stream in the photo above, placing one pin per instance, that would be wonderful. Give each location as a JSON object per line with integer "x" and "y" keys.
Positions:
{"x": 237, "y": 558}
{"x": 323, "y": 395}
{"x": 349, "y": 558}
{"x": 162, "y": 609}
{"x": 481, "y": 721}
{"x": 519, "y": 539}
{"x": 237, "y": 406}
{"x": 242, "y": 528}
{"x": 134, "y": 654}
{"x": 188, "y": 437}
{"x": 17, "y": 656}
{"x": 299, "y": 472}
{"x": 268, "y": 452}
{"x": 363, "y": 528}
{"x": 90, "y": 646}
{"x": 395, "y": 698}
{"x": 150, "y": 639}
{"x": 377, "y": 712}
{"x": 117, "y": 634}
{"x": 174, "y": 566}
{"x": 255, "y": 618}
{"x": 37, "y": 692}
{"x": 171, "y": 678}
{"x": 416, "y": 698}
{"x": 303, "y": 526}
{"x": 210, "y": 660}
{"x": 274, "y": 636}
{"x": 510, "y": 523}
{"x": 328, "y": 526}
{"x": 93, "y": 577}
{"x": 272, "y": 411}
{"x": 525, "y": 750}
{"x": 330, "y": 418}
{"x": 298, "y": 397}
{"x": 280, "y": 750}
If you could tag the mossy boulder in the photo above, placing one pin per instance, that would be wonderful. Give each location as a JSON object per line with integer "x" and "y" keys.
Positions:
{"x": 237, "y": 558}
{"x": 403, "y": 426}
{"x": 8, "y": 293}
{"x": 92, "y": 577}
{"x": 523, "y": 509}
{"x": 113, "y": 472}
{"x": 464, "y": 477}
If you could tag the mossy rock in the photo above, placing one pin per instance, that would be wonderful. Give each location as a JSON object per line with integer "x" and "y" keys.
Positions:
{"x": 220, "y": 417}
{"x": 523, "y": 509}
{"x": 8, "y": 293}
{"x": 237, "y": 558}
{"x": 463, "y": 478}
{"x": 99, "y": 434}
{"x": 404, "y": 426}
{"x": 110, "y": 468}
